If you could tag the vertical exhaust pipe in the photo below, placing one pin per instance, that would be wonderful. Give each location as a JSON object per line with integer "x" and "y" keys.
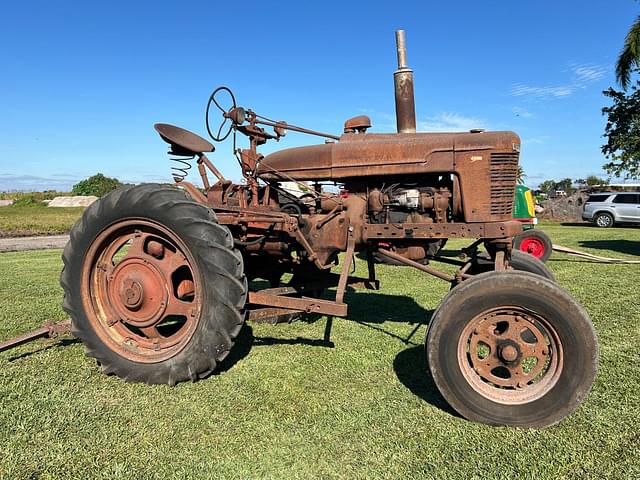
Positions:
{"x": 403, "y": 82}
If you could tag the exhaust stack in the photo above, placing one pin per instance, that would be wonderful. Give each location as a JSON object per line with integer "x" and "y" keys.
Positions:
{"x": 403, "y": 82}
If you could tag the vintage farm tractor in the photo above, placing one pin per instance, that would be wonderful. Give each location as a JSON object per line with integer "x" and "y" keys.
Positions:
{"x": 159, "y": 280}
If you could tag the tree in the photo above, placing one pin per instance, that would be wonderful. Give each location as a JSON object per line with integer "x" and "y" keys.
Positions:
{"x": 565, "y": 184}
{"x": 97, "y": 185}
{"x": 520, "y": 175}
{"x": 623, "y": 133}
{"x": 629, "y": 58}
{"x": 593, "y": 180}
{"x": 548, "y": 186}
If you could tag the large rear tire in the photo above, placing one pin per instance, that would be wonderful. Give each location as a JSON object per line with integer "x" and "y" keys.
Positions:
{"x": 512, "y": 348}
{"x": 153, "y": 286}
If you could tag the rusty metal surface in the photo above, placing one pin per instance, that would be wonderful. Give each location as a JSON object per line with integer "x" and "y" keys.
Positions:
{"x": 141, "y": 290}
{"x": 273, "y": 315}
{"x": 358, "y": 124}
{"x": 403, "y": 83}
{"x": 177, "y": 136}
{"x": 419, "y": 266}
{"x": 49, "y": 330}
{"x": 305, "y": 304}
{"x": 510, "y": 355}
{"x": 389, "y": 231}
{"x": 386, "y": 154}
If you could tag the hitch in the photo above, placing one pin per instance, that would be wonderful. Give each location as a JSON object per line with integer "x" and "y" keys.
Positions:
{"x": 48, "y": 330}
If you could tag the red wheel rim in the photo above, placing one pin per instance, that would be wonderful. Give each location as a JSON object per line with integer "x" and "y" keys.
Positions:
{"x": 141, "y": 290}
{"x": 532, "y": 246}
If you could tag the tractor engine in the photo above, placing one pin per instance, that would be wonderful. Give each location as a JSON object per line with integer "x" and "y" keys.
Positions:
{"x": 407, "y": 203}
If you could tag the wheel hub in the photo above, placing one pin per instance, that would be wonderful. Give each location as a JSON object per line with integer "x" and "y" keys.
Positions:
{"x": 533, "y": 246}
{"x": 508, "y": 355}
{"x": 131, "y": 296}
{"x": 137, "y": 291}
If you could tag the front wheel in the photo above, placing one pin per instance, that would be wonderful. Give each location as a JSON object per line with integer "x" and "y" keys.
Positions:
{"x": 520, "y": 261}
{"x": 512, "y": 348}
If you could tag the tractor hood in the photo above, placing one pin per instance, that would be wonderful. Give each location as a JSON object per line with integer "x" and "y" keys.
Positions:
{"x": 361, "y": 154}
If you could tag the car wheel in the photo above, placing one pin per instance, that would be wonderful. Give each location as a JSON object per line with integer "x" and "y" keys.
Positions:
{"x": 603, "y": 220}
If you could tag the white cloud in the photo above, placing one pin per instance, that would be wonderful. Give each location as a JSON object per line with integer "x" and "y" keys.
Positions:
{"x": 588, "y": 73}
{"x": 582, "y": 75}
{"x": 521, "y": 90}
{"x": 447, "y": 122}
{"x": 442, "y": 122}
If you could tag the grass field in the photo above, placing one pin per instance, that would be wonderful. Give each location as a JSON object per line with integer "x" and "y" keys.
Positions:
{"x": 290, "y": 406}
{"x": 22, "y": 221}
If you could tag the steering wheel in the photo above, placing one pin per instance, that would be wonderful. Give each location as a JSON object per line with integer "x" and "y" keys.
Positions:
{"x": 219, "y": 137}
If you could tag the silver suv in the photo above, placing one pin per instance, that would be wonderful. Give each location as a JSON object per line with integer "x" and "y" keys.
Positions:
{"x": 606, "y": 209}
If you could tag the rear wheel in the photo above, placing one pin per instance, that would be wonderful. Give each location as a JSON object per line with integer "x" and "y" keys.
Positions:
{"x": 603, "y": 220}
{"x": 534, "y": 242}
{"x": 153, "y": 285}
{"x": 512, "y": 348}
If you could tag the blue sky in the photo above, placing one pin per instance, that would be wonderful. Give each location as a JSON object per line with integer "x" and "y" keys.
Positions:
{"x": 83, "y": 82}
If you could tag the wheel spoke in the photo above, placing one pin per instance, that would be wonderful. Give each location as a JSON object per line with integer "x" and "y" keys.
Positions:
{"x": 496, "y": 332}
{"x": 175, "y": 261}
{"x": 151, "y": 332}
{"x": 136, "y": 248}
{"x": 179, "y": 307}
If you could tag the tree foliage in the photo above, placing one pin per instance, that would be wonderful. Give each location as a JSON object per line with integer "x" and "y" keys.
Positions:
{"x": 550, "y": 186}
{"x": 629, "y": 58}
{"x": 547, "y": 186}
{"x": 591, "y": 180}
{"x": 97, "y": 185}
{"x": 623, "y": 133}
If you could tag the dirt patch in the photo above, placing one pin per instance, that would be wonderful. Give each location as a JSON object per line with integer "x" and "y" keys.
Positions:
{"x": 77, "y": 201}
{"x": 565, "y": 208}
{"x": 33, "y": 243}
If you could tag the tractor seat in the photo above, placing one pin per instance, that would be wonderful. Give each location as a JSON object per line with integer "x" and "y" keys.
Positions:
{"x": 183, "y": 142}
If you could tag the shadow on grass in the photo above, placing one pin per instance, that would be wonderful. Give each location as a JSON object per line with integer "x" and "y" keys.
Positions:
{"x": 411, "y": 369}
{"x": 241, "y": 348}
{"x": 372, "y": 309}
{"x": 589, "y": 224}
{"x": 367, "y": 309}
{"x": 63, "y": 342}
{"x": 629, "y": 247}
{"x": 381, "y": 308}
{"x": 246, "y": 340}
{"x": 576, "y": 224}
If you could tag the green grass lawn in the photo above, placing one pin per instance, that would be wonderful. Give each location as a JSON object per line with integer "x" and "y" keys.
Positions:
{"x": 36, "y": 220}
{"x": 288, "y": 406}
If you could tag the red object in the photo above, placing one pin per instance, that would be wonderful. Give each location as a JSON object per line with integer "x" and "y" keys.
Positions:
{"x": 533, "y": 246}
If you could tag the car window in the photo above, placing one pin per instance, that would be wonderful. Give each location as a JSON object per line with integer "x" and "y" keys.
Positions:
{"x": 626, "y": 198}
{"x": 598, "y": 198}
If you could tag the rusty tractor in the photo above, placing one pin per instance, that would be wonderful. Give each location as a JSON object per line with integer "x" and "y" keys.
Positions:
{"x": 159, "y": 280}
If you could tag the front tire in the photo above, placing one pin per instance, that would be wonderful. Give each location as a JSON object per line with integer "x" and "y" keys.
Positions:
{"x": 512, "y": 348}
{"x": 520, "y": 261}
{"x": 153, "y": 286}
